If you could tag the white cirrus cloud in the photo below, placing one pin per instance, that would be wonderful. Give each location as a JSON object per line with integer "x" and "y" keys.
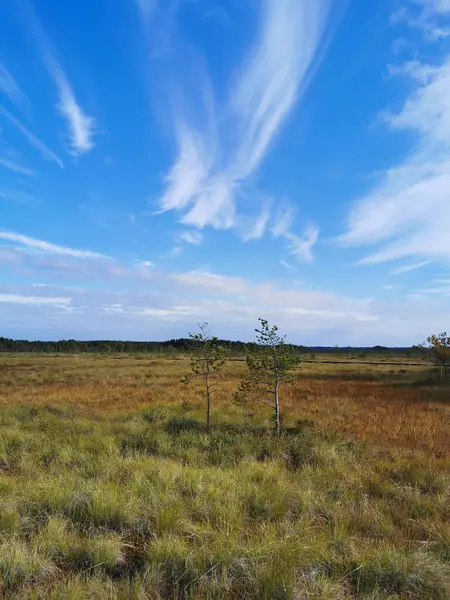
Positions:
{"x": 32, "y": 139}
{"x": 35, "y": 300}
{"x": 145, "y": 264}
{"x": 81, "y": 127}
{"x": 146, "y": 9}
{"x": 215, "y": 163}
{"x": 16, "y": 167}
{"x": 429, "y": 16}
{"x": 275, "y": 71}
{"x": 286, "y": 265}
{"x": 438, "y": 290}
{"x": 172, "y": 313}
{"x": 10, "y": 88}
{"x": 434, "y": 6}
{"x": 191, "y": 237}
{"x": 257, "y": 229}
{"x": 412, "y": 267}
{"x": 299, "y": 246}
{"x": 211, "y": 282}
{"x": 48, "y": 247}
{"x": 18, "y": 195}
{"x": 407, "y": 215}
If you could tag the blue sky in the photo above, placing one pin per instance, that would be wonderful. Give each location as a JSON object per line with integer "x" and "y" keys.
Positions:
{"x": 165, "y": 162}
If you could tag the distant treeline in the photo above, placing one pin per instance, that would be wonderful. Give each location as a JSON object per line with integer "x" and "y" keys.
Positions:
{"x": 171, "y": 347}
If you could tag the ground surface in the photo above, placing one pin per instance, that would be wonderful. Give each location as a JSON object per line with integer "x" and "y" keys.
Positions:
{"x": 111, "y": 488}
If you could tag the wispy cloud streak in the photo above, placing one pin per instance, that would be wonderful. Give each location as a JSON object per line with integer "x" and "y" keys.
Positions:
{"x": 408, "y": 268}
{"x": 81, "y": 127}
{"x": 191, "y": 237}
{"x": 13, "y": 166}
{"x": 259, "y": 226}
{"x": 48, "y": 247}
{"x": 10, "y": 88}
{"x": 146, "y": 9}
{"x": 286, "y": 265}
{"x": 18, "y": 196}
{"x": 211, "y": 168}
{"x": 275, "y": 73}
{"x": 299, "y": 246}
{"x": 427, "y": 16}
{"x": 407, "y": 214}
{"x": 32, "y": 139}
{"x": 35, "y": 300}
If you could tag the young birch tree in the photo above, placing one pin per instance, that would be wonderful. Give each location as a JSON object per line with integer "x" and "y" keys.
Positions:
{"x": 207, "y": 361}
{"x": 270, "y": 365}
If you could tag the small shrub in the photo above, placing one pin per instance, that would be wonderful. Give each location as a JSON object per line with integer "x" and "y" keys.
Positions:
{"x": 143, "y": 442}
{"x": 425, "y": 479}
{"x": 80, "y": 507}
{"x": 19, "y": 564}
{"x": 155, "y": 414}
{"x": 415, "y": 576}
{"x": 439, "y": 535}
{"x": 180, "y": 424}
{"x": 9, "y": 519}
{"x": 300, "y": 451}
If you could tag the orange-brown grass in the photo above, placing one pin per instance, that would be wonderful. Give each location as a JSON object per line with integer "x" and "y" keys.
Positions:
{"x": 374, "y": 403}
{"x": 367, "y": 410}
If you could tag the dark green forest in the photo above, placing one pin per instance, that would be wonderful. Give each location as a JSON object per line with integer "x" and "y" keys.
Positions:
{"x": 173, "y": 347}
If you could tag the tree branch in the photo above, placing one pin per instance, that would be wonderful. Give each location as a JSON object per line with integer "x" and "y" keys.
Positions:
{"x": 266, "y": 403}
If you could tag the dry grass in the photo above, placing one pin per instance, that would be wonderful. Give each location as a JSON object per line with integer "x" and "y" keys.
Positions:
{"x": 110, "y": 488}
{"x": 381, "y": 403}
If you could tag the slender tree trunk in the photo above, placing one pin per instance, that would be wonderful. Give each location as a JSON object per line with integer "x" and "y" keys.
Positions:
{"x": 277, "y": 410}
{"x": 208, "y": 403}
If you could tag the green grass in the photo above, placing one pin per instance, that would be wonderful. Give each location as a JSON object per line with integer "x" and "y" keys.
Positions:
{"x": 150, "y": 505}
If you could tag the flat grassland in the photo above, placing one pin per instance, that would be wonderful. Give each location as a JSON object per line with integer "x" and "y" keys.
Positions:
{"x": 110, "y": 487}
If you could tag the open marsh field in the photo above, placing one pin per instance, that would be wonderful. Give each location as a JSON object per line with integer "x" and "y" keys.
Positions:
{"x": 110, "y": 486}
